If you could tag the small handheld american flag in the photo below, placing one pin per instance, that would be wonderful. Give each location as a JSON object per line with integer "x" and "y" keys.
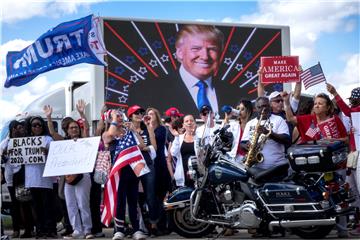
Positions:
{"x": 312, "y": 76}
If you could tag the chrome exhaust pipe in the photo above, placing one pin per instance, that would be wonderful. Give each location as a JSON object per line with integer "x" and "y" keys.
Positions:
{"x": 302, "y": 223}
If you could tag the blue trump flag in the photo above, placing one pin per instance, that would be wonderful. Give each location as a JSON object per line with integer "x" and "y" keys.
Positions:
{"x": 67, "y": 44}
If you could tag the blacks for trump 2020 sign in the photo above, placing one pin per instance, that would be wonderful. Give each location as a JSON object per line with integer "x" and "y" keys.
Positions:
{"x": 27, "y": 150}
{"x": 144, "y": 69}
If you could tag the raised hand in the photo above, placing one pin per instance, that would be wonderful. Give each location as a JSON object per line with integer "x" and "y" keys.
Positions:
{"x": 47, "y": 111}
{"x": 103, "y": 109}
{"x": 80, "y": 106}
{"x": 331, "y": 89}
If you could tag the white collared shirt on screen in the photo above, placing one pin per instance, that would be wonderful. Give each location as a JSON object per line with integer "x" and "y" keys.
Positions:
{"x": 190, "y": 83}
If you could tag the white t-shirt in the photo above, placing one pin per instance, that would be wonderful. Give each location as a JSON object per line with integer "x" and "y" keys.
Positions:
{"x": 34, "y": 173}
{"x": 9, "y": 169}
{"x": 208, "y": 135}
{"x": 273, "y": 152}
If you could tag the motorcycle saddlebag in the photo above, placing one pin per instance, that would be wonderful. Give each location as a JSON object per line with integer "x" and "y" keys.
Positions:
{"x": 284, "y": 200}
{"x": 320, "y": 157}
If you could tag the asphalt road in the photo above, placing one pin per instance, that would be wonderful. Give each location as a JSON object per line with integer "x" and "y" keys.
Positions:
{"x": 240, "y": 234}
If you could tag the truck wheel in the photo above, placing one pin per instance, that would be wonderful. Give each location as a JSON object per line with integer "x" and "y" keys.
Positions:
{"x": 313, "y": 232}
{"x": 184, "y": 225}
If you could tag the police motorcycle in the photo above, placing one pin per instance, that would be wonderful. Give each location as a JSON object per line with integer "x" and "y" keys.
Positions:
{"x": 242, "y": 196}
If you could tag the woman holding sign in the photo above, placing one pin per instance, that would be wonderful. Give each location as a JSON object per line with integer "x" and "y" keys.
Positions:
{"x": 41, "y": 188}
{"x": 77, "y": 193}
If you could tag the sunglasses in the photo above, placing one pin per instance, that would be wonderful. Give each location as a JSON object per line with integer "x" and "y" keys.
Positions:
{"x": 36, "y": 125}
{"x": 138, "y": 112}
{"x": 204, "y": 113}
{"x": 278, "y": 100}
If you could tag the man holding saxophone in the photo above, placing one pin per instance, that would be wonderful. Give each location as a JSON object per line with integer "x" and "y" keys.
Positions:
{"x": 265, "y": 142}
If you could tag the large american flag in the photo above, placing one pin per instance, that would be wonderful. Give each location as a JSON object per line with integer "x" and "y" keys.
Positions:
{"x": 128, "y": 152}
{"x": 312, "y": 76}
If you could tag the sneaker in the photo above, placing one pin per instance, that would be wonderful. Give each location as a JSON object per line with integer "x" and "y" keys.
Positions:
{"x": 139, "y": 235}
{"x": 75, "y": 235}
{"x": 89, "y": 236}
{"x": 118, "y": 236}
{"x": 99, "y": 235}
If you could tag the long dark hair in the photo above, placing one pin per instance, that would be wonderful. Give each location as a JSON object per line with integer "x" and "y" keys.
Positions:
{"x": 28, "y": 122}
{"x": 12, "y": 125}
{"x": 249, "y": 108}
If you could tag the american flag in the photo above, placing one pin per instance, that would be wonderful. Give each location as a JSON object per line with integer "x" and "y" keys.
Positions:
{"x": 312, "y": 131}
{"x": 127, "y": 152}
{"x": 312, "y": 76}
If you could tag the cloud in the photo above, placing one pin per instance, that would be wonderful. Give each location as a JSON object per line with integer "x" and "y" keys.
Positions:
{"x": 13, "y": 11}
{"x": 349, "y": 78}
{"x": 344, "y": 81}
{"x": 307, "y": 21}
{"x": 13, "y": 45}
{"x": 18, "y": 98}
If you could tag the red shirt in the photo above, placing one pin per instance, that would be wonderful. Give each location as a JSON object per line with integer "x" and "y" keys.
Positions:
{"x": 347, "y": 111}
{"x": 304, "y": 122}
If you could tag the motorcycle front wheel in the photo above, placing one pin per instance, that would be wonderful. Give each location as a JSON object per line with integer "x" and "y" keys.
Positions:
{"x": 313, "y": 232}
{"x": 184, "y": 225}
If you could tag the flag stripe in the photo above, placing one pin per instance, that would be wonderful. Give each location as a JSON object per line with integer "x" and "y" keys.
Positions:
{"x": 129, "y": 153}
{"x": 312, "y": 76}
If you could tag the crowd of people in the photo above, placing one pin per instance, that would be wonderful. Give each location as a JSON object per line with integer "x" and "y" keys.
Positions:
{"x": 166, "y": 143}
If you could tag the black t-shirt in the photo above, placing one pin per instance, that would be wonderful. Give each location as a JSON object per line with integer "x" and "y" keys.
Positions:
{"x": 186, "y": 150}
{"x": 146, "y": 138}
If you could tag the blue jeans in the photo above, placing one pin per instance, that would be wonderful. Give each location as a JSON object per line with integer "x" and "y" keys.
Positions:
{"x": 148, "y": 183}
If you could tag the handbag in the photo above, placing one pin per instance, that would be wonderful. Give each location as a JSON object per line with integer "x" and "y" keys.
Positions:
{"x": 73, "y": 179}
{"x": 352, "y": 159}
{"x": 22, "y": 194}
{"x": 102, "y": 167}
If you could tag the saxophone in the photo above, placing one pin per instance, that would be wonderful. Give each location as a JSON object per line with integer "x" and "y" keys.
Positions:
{"x": 254, "y": 155}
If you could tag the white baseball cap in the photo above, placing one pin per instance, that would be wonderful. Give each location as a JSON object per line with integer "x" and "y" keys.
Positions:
{"x": 274, "y": 95}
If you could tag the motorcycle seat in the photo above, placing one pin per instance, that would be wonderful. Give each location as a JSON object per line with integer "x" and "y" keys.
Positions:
{"x": 275, "y": 173}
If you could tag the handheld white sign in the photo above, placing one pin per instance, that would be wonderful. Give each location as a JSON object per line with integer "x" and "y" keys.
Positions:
{"x": 71, "y": 157}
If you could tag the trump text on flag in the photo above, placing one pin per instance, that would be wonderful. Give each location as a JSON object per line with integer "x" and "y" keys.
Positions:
{"x": 279, "y": 69}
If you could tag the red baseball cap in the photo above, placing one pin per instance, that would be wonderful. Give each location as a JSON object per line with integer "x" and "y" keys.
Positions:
{"x": 133, "y": 109}
{"x": 173, "y": 112}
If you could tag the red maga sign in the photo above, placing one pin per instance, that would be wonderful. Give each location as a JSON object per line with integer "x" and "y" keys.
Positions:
{"x": 279, "y": 69}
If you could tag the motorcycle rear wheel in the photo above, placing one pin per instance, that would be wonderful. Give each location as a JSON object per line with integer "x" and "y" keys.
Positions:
{"x": 185, "y": 226}
{"x": 313, "y": 232}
